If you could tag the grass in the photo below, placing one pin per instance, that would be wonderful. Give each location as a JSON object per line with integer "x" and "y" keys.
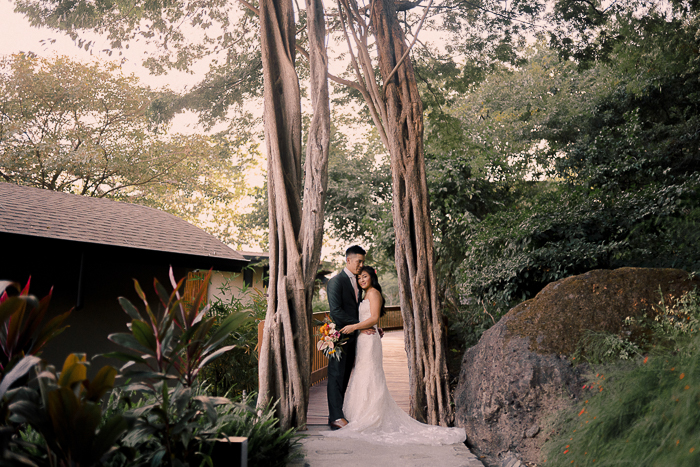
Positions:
{"x": 639, "y": 412}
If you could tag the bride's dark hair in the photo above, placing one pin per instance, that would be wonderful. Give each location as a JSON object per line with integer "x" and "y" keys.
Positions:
{"x": 375, "y": 284}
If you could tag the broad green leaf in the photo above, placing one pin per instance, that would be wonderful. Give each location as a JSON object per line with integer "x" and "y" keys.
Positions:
{"x": 27, "y": 411}
{"x": 142, "y": 296}
{"x": 33, "y": 322}
{"x": 62, "y": 405}
{"x": 162, "y": 293}
{"x": 127, "y": 357}
{"x": 13, "y": 329}
{"x": 101, "y": 383}
{"x": 10, "y": 306}
{"x": 157, "y": 459}
{"x": 145, "y": 375}
{"x": 73, "y": 371}
{"x": 130, "y": 342}
{"x": 181, "y": 397}
{"x": 212, "y": 356}
{"x": 209, "y": 408}
{"x": 110, "y": 432}
{"x": 143, "y": 332}
{"x": 227, "y": 326}
{"x": 19, "y": 370}
{"x": 129, "y": 308}
{"x": 52, "y": 329}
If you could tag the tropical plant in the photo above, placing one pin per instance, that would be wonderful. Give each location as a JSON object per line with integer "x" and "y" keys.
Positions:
{"x": 22, "y": 336}
{"x": 268, "y": 444}
{"x": 236, "y": 371}
{"x": 66, "y": 411}
{"x": 172, "y": 345}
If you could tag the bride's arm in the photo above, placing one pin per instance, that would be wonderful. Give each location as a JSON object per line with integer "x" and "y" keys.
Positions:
{"x": 375, "y": 306}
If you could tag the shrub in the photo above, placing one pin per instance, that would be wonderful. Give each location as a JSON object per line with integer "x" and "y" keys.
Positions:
{"x": 268, "y": 444}
{"x": 66, "y": 411}
{"x": 236, "y": 371}
{"x": 643, "y": 410}
{"x": 172, "y": 345}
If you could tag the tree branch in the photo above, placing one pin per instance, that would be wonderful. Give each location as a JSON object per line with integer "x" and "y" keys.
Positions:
{"x": 413, "y": 42}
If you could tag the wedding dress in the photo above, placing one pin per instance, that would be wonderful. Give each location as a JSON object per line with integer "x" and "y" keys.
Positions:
{"x": 372, "y": 413}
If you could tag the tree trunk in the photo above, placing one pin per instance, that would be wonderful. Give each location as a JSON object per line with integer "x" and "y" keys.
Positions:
{"x": 285, "y": 351}
{"x": 429, "y": 389}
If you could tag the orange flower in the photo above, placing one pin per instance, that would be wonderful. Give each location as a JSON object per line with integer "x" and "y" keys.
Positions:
{"x": 682, "y": 376}
{"x": 686, "y": 387}
{"x": 692, "y": 449}
{"x": 646, "y": 359}
{"x": 566, "y": 451}
{"x": 672, "y": 369}
{"x": 581, "y": 412}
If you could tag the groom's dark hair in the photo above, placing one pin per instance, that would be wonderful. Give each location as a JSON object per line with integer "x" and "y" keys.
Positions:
{"x": 355, "y": 250}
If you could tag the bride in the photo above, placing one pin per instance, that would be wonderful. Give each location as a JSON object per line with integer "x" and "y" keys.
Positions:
{"x": 371, "y": 411}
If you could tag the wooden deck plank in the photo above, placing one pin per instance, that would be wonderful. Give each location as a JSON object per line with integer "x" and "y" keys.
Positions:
{"x": 395, "y": 369}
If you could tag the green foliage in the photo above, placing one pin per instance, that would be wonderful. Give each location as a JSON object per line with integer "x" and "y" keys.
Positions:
{"x": 359, "y": 191}
{"x": 236, "y": 371}
{"x": 177, "y": 338}
{"x": 173, "y": 344}
{"x": 163, "y": 416}
{"x": 639, "y": 413}
{"x": 602, "y": 347}
{"x": 638, "y": 410}
{"x": 22, "y": 335}
{"x": 603, "y": 163}
{"x": 66, "y": 411}
{"x": 268, "y": 444}
{"x": 21, "y": 332}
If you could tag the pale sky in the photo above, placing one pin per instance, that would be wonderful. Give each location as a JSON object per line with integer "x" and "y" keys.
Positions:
{"x": 18, "y": 36}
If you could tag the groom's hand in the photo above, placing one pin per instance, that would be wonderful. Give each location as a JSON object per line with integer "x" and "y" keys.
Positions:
{"x": 369, "y": 331}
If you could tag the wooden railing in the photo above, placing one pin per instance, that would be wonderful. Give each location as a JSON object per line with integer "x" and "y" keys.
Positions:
{"x": 319, "y": 363}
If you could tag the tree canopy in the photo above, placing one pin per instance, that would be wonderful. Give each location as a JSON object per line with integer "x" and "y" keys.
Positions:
{"x": 87, "y": 129}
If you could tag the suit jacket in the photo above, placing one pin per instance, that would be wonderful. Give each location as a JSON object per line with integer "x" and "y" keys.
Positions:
{"x": 342, "y": 301}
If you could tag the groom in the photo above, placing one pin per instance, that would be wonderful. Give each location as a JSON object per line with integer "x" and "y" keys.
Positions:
{"x": 344, "y": 297}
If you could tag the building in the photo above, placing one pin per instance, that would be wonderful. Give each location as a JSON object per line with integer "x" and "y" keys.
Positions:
{"x": 90, "y": 251}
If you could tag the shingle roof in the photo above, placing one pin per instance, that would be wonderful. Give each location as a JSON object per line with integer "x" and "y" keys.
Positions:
{"x": 63, "y": 216}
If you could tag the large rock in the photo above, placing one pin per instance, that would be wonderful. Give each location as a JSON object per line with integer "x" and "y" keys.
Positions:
{"x": 520, "y": 372}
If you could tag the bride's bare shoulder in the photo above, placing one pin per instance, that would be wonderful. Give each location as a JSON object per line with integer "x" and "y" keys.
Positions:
{"x": 373, "y": 294}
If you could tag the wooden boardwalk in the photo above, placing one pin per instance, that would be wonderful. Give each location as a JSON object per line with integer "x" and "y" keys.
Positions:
{"x": 395, "y": 368}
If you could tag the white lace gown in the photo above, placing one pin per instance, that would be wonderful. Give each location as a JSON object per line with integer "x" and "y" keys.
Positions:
{"x": 372, "y": 413}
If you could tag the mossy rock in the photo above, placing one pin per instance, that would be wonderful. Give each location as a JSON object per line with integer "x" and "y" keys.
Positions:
{"x": 521, "y": 373}
{"x": 599, "y": 300}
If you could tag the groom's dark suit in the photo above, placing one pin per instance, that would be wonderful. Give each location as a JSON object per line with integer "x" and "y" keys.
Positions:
{"x": 344, "y": 311}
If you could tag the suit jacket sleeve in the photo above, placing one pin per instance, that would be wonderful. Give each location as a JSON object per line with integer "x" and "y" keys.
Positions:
{"x": 341, "y": 301}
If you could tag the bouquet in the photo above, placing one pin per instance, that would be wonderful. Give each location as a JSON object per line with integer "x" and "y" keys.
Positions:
{"x": 331, "y": 341}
